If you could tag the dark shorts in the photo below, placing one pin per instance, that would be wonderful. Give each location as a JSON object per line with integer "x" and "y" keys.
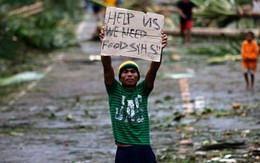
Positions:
{"x": 135, "y": 154}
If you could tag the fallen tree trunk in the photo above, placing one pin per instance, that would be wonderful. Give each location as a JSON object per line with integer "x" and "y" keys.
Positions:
{"x": 228, "y": 32}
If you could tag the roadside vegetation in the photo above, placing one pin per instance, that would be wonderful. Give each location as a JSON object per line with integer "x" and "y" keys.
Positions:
{"x": 27, "y": 36}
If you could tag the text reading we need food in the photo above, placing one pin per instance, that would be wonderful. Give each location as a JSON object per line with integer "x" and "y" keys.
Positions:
{"x": 132, "y": 34}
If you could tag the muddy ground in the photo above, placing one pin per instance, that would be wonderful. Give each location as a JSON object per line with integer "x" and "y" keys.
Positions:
{"x": 64, "y": 117}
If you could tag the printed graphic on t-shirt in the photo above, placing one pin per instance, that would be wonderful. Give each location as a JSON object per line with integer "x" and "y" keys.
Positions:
{"x": 130, "y": 110}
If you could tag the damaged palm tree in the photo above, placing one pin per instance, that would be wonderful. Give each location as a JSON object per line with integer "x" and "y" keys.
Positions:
{"x": 221, "y": 13}
{"x": 217, "y": 13}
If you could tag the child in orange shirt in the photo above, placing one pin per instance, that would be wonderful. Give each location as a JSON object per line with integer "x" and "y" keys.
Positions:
{"x": 249, "y": 51}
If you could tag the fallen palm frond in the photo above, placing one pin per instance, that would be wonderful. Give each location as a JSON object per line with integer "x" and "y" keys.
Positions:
{"x": 224, "y": 59}
{"x": 221, "y": 12}
{"x": 231, "y": 48}
{"x": 21, "y": 77}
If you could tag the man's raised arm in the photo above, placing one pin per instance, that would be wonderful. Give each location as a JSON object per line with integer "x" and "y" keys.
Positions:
{"x": 109, "y": 75}
{"x": 154, "y": 67}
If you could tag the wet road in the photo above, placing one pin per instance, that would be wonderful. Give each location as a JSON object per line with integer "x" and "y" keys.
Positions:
{"x": 64, "y": 117}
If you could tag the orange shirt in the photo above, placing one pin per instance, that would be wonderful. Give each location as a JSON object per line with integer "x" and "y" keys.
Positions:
{"x": 249, "y": 50}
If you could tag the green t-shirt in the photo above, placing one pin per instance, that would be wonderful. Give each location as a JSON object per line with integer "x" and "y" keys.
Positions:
{"x": 129, "y": 114}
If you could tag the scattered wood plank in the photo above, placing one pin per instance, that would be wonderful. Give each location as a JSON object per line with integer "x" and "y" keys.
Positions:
{"x": 221, "y": 146}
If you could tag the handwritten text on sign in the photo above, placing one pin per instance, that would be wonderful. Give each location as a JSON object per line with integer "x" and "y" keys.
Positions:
{"x": 132, "y": 34}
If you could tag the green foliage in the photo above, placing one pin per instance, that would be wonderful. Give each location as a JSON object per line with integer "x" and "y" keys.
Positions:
{"x": 237, "y": 2}
{"x": 47, "y": 19}
{"x": 220, "y": 12}
{"x": 43, "y": 32}
{"x": 9, "y": 44}
{"x": 6, "y": 5}
{"x": 50, "y": 29}
{"x": 243, "y": 2}
{"x": 140, "y": 5}
{"x": 67, "y": 8}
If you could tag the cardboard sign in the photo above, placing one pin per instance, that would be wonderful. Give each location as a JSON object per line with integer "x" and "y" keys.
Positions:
{"x": 132, "y": 34}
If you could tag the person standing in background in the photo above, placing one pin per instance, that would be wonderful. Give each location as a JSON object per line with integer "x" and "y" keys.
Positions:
{"x": 185, "y": 10}
{"x": 249, "y": 52}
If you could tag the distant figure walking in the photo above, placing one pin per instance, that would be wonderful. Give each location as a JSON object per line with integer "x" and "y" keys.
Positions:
{"x": 249, "y": 52}
{"x": 185, "y": 10}
{"x": 256, "y": 9}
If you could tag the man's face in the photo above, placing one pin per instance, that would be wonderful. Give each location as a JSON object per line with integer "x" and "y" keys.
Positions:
{"x": 129, "y": 78}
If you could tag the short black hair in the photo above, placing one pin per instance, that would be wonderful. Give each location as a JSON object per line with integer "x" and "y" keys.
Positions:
{"x": 250, "y": 33}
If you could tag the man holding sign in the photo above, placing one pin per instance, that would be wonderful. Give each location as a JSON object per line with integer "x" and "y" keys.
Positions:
{"x": 127, "y": 98}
